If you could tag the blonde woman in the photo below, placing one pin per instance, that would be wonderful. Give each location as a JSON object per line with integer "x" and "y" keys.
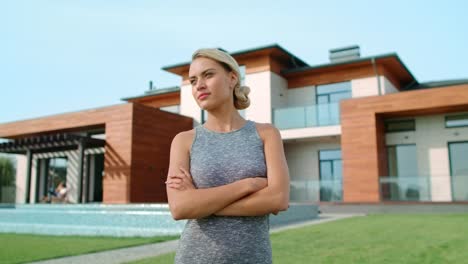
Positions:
{"x": 227, "y": 175}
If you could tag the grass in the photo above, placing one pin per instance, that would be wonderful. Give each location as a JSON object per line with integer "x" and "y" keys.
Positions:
{"x": 385, "y": 238}
{"x": 20, "y": 248}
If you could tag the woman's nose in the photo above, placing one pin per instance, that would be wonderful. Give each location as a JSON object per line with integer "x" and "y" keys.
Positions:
{"x": 200, "y": 85}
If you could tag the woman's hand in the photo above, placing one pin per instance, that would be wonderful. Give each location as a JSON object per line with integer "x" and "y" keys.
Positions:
{"x": 182, "y": 181}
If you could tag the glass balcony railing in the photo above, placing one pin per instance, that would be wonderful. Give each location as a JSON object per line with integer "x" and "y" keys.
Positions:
{"x": 308, "y": 116}
{"x": 460, "y": 187}
{"x": 316, "y": 190}
{"x": 405, "y": 188}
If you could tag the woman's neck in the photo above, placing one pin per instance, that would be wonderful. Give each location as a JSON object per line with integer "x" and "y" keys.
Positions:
{"x": 224, "y": 121}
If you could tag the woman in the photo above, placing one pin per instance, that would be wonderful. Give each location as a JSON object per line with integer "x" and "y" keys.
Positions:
{"x": 227, "y": 175}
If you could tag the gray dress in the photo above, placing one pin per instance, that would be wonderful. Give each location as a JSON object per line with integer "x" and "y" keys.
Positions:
{"x": 217, "y": 159}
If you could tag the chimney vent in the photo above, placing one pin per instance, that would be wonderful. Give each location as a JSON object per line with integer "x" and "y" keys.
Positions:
{"x": 344, "y": 54}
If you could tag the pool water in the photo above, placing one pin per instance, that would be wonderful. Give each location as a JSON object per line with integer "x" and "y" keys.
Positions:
{"x": 89, "y": 219}
{"x": 122, "y": 220}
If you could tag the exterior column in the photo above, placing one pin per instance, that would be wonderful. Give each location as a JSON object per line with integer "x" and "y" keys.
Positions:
{"x": 28, "y": 176}
{"x": 81, "y": 148}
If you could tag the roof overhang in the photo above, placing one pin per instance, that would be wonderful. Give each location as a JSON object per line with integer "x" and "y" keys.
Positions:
{"x": 274, "y": 50}
{"x": 49, "y": 143}
{"x": 391, "y": 62}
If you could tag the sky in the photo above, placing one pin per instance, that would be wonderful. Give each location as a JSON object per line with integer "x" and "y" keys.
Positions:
{"x": 59, "y": 56}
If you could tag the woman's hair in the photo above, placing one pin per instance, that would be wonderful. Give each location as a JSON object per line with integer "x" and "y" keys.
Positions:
{"x": 241, "y": 99}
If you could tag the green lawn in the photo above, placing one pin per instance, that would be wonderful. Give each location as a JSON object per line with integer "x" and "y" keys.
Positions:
{"x": 385, "y": 238}
{"x": 19, "y": 248}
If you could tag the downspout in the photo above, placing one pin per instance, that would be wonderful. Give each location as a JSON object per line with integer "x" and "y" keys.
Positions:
{"x": 376, "y": 75}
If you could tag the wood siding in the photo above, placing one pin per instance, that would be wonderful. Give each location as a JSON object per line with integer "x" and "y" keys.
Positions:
{"x": 126, "y": 129}
{"x": 363, "y": 136}
{"x": 157, "y": 101}
{"x": 153, "y": 131}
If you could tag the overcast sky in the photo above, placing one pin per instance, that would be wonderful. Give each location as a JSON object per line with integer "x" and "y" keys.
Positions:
{"x": 61, "y": 56}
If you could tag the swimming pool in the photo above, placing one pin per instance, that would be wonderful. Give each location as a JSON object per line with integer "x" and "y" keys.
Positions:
{"x": 89, "y": 219}
{"x": 118, "y": 220}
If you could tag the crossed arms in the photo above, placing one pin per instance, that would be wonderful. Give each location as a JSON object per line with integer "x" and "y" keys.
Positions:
{"x": 247, "y": 197}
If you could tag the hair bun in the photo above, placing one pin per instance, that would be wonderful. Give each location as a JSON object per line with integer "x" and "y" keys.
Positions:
{"x": 241, "y": 98}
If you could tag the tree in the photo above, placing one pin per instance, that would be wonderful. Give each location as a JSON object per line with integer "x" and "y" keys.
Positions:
{"x": 7, "y": 173}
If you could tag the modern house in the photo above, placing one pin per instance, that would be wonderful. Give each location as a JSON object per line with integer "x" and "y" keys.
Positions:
{"x": 355, "y": 130}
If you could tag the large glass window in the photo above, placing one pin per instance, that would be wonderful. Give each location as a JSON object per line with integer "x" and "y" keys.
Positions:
{"x": 51, "y": 172}
{"x": 403, "y": 181}
{"x": 331, "y": 94}
{"x": 402, "y": 161}
{"x": 458, "y": 153}
{"x": 330, "y": 175}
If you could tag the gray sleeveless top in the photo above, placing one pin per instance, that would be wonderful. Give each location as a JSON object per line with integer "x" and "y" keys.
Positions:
{"x": 218, "y": 159}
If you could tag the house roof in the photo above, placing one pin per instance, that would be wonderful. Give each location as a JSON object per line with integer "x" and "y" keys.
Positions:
{"x": 273, "y": 48}
{"x": 153, "y": 92}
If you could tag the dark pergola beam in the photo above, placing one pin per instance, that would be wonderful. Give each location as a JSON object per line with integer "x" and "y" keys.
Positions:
{"x": 28, "y": 176}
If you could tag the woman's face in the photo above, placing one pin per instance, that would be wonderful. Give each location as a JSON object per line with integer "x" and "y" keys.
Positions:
{"x": 212, "y": 85}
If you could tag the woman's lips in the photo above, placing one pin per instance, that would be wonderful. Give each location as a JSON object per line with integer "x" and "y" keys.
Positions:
{"x": 203, "y": 96}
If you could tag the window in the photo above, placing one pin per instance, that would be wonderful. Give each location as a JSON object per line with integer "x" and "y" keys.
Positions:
{"x": 328, "y": 98}
{"x": 456, "y": 120}
{"x": 204, "y": 116}
{"x": 458, "y": 155}
{"x": 242, "y": 74}
{"x": 333, "y": 92}
{"x": 400, "y": 125}
{"x": 330, "y": 175}
{"x": 50, "y": 171}
{"x": 403, "y": 183}
{"x": 402, "y": 161}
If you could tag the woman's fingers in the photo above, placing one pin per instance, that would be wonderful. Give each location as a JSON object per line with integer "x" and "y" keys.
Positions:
{"x": 180, "y": 181}
{"x": 186, "y": 173}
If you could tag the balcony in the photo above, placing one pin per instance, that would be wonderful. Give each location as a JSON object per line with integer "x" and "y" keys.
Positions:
{"x": 316, "y": 190}
{"x": 415, "y": 188}
{"x": 309, "y": 116}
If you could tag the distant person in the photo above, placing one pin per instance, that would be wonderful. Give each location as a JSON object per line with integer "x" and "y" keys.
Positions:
{"x": 227, "y": 175}
{"x": 57, "y": 195}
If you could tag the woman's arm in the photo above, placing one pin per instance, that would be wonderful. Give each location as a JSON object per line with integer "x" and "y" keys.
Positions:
{"x": 275, "y": 197}
{"x": 191, "y": 203}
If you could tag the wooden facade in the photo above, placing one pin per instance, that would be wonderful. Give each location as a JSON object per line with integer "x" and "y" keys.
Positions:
{"x": 363, "y": 137}
{"x": 137, "y": 145}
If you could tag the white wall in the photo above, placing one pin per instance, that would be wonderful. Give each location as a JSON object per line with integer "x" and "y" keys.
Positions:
{"x": 303, "y": 162}
{"x": 279, "y": 91}
{"x": 388, "y": 87}
{"x": 364, "y": 87}
{"x": 188, "y": 105}
{"x": 260, "y": 96}
{"x": 310, "y": 132}
{"x": 304, "y": 96}
{"x": 172, "y": 108}
{"x": 21, "y": 163}
{"x": 369, "y": 86}
{"x": 431, "y": 139}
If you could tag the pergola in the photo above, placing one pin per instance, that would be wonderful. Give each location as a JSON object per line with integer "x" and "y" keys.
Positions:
{"x": 50, "y": 143}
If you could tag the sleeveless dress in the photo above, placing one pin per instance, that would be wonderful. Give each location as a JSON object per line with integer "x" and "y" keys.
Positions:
{"x": 217, "y": 159}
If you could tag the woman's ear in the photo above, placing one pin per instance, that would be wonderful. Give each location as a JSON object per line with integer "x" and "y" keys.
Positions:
{"x": 234, "y": 80}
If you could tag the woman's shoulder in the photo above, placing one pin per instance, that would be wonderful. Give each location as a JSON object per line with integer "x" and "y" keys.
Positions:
{"x": 266, "y": 130}
{"x": 184, "y": 138}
